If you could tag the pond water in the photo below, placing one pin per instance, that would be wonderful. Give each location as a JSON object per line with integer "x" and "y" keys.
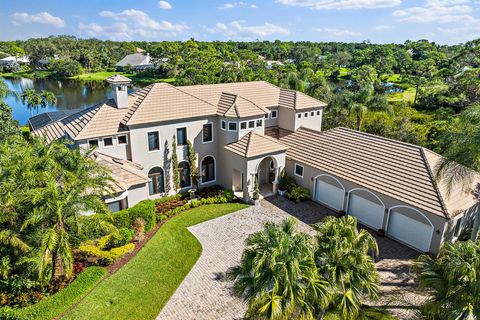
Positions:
{"x": 71, "y": 94}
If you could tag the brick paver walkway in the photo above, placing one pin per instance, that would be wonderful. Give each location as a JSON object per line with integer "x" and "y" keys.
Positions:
{"x": 205, "y": 294}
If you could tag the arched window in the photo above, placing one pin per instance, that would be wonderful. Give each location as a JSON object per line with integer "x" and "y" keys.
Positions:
{"x": 157, "y": 181}
{"x": 184, "y": 174}
{"x": 208, "y": 169}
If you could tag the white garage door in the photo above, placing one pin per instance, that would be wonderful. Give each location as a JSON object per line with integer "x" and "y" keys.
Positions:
{"x": 367, "y": 212}
{"x": 329, "y": 195}
{"x": 410, "y": 231}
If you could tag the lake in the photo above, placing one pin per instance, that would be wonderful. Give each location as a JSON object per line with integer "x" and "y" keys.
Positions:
{"x": 71, "y": 94}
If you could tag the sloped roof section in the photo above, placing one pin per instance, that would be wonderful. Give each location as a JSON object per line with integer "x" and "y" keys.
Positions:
{"x": 41, "y": 120}
{"x": 254, "y": 145}
{"x": 133, "y": 59}
{"x": 118, "y": 78}
{"x": 124, "y": 173}
{"x": 396, "y": 169}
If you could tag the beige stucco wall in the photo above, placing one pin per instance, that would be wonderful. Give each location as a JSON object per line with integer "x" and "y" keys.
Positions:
{"x": 312, "y": 122}
{"x": 308, "y": 181}
{"x": 117, "y": 151}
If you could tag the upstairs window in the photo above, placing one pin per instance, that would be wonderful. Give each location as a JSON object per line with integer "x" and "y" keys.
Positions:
{"x": 108, "y": 142}
{"x": 232, "y": 126}
{"x": 93, "y": 143}
{"x": 312, "y": 114}
{"x": 181, "y": 136}
{"x": 207, "y": 133}
{"x": 305, "y": 115}
{"x": 273, "y": 115}
{"x": 318, "y": 113}
{"x": 299, "y": 116}
{"x": 153, "y": 141}
{"x": 259, "y": 123}
{"x": 224, "y": 125}
{"x": 122, "y": 140}
{"x": 251, "y": 124}
{"x": 243, "y": 125}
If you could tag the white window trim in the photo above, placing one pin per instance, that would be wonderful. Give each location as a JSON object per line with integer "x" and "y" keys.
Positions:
{"x": 455, "y": 236}
{"x": 236, "y": 126}
{"x": 126, "y": 140}
{"x": 176, "y": 136}
{"x": 256, "y": 123}
{"x": 159, "y": 141}
{"x": 249, "y": 124}
{"x": 213, "y": 133}
{"x": 295, "y": 170}
{"x": 246, "y": 125}
{"x": 312, "y": 114}
{"x": 299, "y": 116}
{"x": 98, "y": 143}
{"x": 318, "y": 113}
{"x": 103, "y": 143}
{"x": 267, "y": 115}
{"x": 214, "y": 170}
{"x": 221, "y": 125}
{"x": 305, "y": 114}
{"x": 276, "y": 114}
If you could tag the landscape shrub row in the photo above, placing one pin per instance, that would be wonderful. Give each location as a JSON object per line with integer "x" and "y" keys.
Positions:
{"x": 293, "y": 192}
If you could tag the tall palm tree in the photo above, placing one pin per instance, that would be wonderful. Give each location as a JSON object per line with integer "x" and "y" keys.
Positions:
{"x": 453, "y": 279}
{"x": 342, "y": 256}
{"x": 277, "y": 275}
{"x": 70, "y": 185}
{"x": 34, "y": 100}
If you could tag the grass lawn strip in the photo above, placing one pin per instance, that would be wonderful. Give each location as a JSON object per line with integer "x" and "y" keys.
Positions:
{"x": 54, "y": 305}
{"x": 141, "y": 288}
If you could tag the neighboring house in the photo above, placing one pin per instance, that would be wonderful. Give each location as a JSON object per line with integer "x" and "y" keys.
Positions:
{"x": 241, "y": 131}
{"x": 22, "y": 59}
{"x": 135, "y": 61}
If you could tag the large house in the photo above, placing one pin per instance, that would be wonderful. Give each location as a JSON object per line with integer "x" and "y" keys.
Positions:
{"x": 241, "y": 131}
{"x": 135, "y": 61}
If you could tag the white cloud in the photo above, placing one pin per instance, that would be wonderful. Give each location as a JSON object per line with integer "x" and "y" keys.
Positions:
{"x": 441, "y": 11}
{"x": 341, "y": 4}
{"x": 239, "y": 4}
{"x": 41, "y": 17}
{"x": 131, "y": 24}
{"x": 164, "y": 5}
{"x": 336, "y": 32}
{"x": 240, "y": 30}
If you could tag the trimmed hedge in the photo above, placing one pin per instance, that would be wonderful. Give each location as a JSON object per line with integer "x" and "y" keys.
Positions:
{"x": 144, "y": 209}
{"x": 58, "y": 303}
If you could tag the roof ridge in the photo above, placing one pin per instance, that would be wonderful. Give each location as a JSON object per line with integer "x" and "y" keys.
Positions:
{"x": 249, "y": 141}
{"x": 135, "y": 106}
{"x": 256, "y": 105}
{"x": 434, "y": 183}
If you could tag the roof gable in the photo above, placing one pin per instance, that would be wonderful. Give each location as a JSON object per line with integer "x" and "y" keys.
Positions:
{"x": 254, "y": 145}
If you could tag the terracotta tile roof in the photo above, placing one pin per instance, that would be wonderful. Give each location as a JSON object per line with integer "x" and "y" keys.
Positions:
{"x": 124, "y": 173}
{"x": 234, "y": 106}
{"x": 97, "y": 121}
{"x": 254, "y": 145}
{"x": 396, "y": 169}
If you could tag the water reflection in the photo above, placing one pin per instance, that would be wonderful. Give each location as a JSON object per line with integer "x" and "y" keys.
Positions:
{"x": 71, "y": 94}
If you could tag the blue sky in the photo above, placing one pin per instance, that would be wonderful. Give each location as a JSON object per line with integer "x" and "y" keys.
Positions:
{"x": 380, "y": 21}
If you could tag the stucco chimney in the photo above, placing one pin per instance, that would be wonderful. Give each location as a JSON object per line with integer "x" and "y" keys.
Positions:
{"x": 120, "y": 90}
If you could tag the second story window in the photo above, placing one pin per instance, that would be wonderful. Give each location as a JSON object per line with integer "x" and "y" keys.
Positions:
{"x": 182, "y": 136}
{"x": 259, "y": 123}
{"x": 224, "y": 125}
{"x": 251, "y": 124}
{"x": 318, "y": 113}
{"x": 232, "y": 126}
{"x": 153, "y": 141}
{"x": 93, "y": 143}
{"x": 299, "y": 116}
{"x": 243, "y": 125}
{"x": 108, "y": 142}
{"x": 122, "y": 140}
{"x": 207, "y": 134}
{"x": 273, "y": 115}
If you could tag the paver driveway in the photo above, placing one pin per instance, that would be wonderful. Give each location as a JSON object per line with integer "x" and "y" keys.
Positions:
{"x": 205, "y": 294}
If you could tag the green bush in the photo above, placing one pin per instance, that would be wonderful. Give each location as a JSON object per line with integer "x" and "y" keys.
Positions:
{"x": 168, "y": 199}
{"x": 121, "y": 219}
{"x": 298, "y": 194}
{"x": 106, "y": 256}
{"x": 146, "y": 211}
{"x": 54, "y": 305}
{"x": 162, "y": 217}
{"x": 228, "y": 194}
{"x": 121, "y": 238}
{"x": 286, "y": 183}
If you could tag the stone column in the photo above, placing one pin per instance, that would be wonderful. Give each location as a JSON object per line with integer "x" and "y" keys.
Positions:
{"x": 276, "y": 181}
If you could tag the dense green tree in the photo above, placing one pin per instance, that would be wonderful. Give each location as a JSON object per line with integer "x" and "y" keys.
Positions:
{"x": 453, "y": 281}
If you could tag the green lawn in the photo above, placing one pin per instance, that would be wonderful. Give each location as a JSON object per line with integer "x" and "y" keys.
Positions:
{"x": 141, "y": 288}
{"x": 98, "y": 76}
{"x": 408, "y": 96}
{"x": 27, "y": 74}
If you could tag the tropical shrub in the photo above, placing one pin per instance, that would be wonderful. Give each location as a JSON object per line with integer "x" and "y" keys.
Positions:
{"x": 453, "y": 280}
{"x": 286, "y": 183}
{"x": 105, "y": 256}
{"x": 298, "y": 194}
{"x": 144, "y": 210}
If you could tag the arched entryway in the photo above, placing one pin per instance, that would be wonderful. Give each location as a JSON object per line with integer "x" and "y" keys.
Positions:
{"x": 267, "y": 172}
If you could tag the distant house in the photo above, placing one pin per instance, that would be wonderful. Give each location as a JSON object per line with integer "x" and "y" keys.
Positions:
{"x": 272, "y": 63}
{"x": 22, "y": 59}
{"x": 136, "y": 61}
{"x": 42, "y": 64}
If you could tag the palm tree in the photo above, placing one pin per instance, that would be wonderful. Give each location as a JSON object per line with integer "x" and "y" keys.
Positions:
{"x": 462, "y": 155}
{"x": 34, "y": 100}
{"x": 277, "y": 275}
{"x": 71, "y": 184}
{"x": 365, "y": 100}
{"x": 453, "y": 280}
{"x": 342, "y": 256}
